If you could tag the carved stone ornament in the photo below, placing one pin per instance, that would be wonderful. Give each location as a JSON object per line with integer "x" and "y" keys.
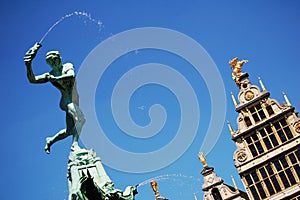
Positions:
{"x": 210, "y": 179}
{"x": 297, "y": 127}
{"x": 241, "y": 156}
{"x": 249, "y": 95}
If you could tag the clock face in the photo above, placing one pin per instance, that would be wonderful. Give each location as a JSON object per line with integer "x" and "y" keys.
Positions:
{"x": 249, "y": 95}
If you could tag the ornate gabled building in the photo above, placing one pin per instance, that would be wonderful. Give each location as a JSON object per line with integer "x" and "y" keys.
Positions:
{"x": 214, "y": 187}
{"x": 267, "y": 142}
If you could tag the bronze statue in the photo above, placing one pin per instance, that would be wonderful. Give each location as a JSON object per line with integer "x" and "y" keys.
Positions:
{"x": 236, "y": 67}
{"x": 62, "y": 76}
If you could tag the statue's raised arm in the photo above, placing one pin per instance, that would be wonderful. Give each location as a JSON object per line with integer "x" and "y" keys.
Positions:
{"x": 29, "y": 56}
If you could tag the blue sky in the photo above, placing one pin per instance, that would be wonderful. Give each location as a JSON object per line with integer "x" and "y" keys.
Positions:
{"x": 264, "y": 32}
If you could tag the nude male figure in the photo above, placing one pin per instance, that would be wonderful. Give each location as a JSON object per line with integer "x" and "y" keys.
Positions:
{"x": 62, "y": 76}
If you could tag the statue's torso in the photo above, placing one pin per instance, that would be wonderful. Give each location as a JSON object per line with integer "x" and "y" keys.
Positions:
{"x": 67, "y": 87}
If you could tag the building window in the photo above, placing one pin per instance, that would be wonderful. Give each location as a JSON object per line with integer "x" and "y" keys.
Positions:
{"x": 216, "y": 194}
{"x": 294, "y": 159}
{"x": 254, "y": 145}
{"x": 247, "y": 121}
{"x": 269, "y": 137}
{"x": 270, "y": 110}
{"x": 284, "y": 172}
{"x": 283, "y": 130}
{"x": 271, "y": 178}
{"x": 257, "y": 113}
{"x": 255, "y": 186}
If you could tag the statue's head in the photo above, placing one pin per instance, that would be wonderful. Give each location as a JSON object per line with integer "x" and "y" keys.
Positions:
{"x": 233, "y": 61}
{"x": 53, "y": 59}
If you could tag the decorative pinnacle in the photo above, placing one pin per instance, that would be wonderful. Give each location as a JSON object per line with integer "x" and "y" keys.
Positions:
{"x": 230, "y": 128}
{"x": 202, "y": 159}
{"x": 233, "y": 99}
{"x": 234, "y": 183}
{"x": 154, "y": 187}
{"x": 286, "y": 99}
{"x": 261, "y": 84}
{"x": 195, "y": 197}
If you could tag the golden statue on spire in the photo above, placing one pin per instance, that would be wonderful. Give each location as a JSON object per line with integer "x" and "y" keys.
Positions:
{"x": 236, "y": 67}
{"x": 154, "y": 187}
{"x": 202, "y": 159}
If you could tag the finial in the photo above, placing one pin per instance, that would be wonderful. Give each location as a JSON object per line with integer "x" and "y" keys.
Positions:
{"x": 236, "y": 67}
{"x": 233, "y": 99}
{"x": 202, "y": 159}
{"x": 230, "y": 128}
{"x": 195, "y": 197}
{"x": 286, "y": 99}
{"x": 234, "y": 183}
{"x": 261, "y": 84}
{"x": 154, "y": 187}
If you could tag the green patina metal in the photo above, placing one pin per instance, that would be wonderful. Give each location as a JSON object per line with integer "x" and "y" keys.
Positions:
{"x": 87, "y": 178}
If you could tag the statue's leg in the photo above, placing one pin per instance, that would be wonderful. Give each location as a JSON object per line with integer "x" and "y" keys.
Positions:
{"x": 62, "y": 134}
{"x": 78, "y": 121}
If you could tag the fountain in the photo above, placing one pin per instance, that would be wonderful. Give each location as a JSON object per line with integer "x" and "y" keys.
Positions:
{"x": 87, "y": 179}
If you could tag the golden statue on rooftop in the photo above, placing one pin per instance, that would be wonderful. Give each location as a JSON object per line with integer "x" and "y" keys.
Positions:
{"x": 236, "y": 67}
{"x": 202, "y": 159}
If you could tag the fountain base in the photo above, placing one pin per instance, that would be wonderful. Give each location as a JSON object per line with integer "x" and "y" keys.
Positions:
{"x": 88, "y": 180}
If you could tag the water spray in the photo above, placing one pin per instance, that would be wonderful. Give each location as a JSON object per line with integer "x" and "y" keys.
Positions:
{"x": 76, "y": 13}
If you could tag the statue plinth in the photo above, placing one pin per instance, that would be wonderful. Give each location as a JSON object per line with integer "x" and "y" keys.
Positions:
{"x": 161, "y": 198}
{"x": 88, "y": 180}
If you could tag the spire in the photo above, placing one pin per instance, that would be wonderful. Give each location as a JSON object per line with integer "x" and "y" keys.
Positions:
{"x": 286, "y": 99}
{"x": 261, "y": 84}
{"x": 202, "y": 159}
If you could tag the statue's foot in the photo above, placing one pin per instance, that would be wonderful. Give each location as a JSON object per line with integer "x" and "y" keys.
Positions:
{"x": 75, "y": 146}
{"x": 48, "y": 144}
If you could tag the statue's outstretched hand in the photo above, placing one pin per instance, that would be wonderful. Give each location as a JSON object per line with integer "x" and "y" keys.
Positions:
{"x": 31, "y": 53}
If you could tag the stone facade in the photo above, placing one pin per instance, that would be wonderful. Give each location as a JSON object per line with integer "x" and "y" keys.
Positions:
{"x": 267, "y": 142}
